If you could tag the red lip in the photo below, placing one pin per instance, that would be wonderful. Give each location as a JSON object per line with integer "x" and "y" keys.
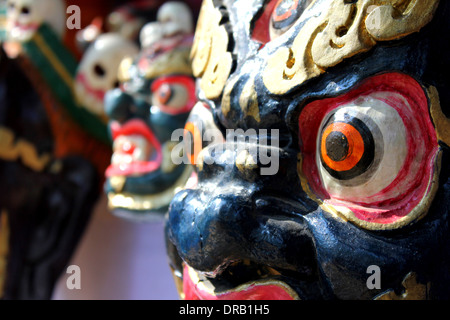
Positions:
{"x": 261, "y": 290}
{"x": 98, "y": 94}
{"x": 135, "y": 127}
{"x": 27, "y": 27}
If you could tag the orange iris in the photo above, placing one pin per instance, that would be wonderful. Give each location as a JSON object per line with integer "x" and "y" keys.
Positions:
{"x": 197, "y": 141}
{"x": 164, "y": 94}
{"x": 355, "y": 149}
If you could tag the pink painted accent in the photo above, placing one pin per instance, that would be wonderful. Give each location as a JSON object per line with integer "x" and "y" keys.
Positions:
{"x": 97, "y": 93}
{"x": 421, "y": 137}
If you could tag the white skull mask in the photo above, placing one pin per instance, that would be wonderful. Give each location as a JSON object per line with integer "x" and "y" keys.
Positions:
{"x": 173, "y": 18}
{"x": 97, "y": 72}
{"x": 26, "y": 16}
{"x": 151, "y": 33}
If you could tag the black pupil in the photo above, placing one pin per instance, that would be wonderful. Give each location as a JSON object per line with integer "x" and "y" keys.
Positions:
{"x": 336, "y": 146}
{"x": 287, "y": 12}
{"x": 25, "y": 10}
{"x": 98, "y": 69}
{"x": 165, "y": 94}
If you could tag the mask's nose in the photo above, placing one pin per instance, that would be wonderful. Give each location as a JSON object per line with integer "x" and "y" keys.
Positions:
{"x": 121, "y": 106}
{"x": 118, "y": 105}
{"x": 237, "y": 213}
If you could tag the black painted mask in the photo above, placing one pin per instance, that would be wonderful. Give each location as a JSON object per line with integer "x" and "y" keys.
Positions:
{"x": 334, "y": 183}
{"x": 156, "y": 95}
{"x": 46, "y": 199}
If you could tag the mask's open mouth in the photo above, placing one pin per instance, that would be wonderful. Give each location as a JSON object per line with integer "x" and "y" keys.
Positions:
{"x": 235, "y": 283}
{"x": 136, "y": 150}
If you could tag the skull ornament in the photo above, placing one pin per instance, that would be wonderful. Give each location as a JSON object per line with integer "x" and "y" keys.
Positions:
{"x": 24, "y": 17}
{"x": 97, "y": 72}
{"x": 355, "y": 95}
{"x": 173, "y": 18}
{"x": 156, "y": 94}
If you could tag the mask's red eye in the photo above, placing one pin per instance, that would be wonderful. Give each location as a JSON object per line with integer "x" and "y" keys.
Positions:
{"x": 285, "y": 13}
{"x": 370, "y": 155}
{"x": 276, "y": 18}
{"x": 174, "y": 94}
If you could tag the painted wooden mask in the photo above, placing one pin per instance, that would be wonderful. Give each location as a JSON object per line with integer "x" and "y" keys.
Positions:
{"x": 47, "y": 192}
{"x": 97, "y": 71}
{"x": 335, "y": 161}
{"x": 156, "y": 94}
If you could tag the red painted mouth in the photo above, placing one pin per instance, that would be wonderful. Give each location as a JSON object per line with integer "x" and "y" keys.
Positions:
{"x": 136, "y": 149}
{"x": 27, "y": 27}
{"x": 98, "y": 94}
{"x": 196, "y": 289}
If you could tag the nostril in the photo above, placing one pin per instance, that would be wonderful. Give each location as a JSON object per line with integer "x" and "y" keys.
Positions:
{"x": 213, "y": 226}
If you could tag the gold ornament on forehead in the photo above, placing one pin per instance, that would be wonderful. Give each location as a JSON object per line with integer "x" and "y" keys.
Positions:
{"x": 211, "y": 60}
{"x": 340, "y": 31}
